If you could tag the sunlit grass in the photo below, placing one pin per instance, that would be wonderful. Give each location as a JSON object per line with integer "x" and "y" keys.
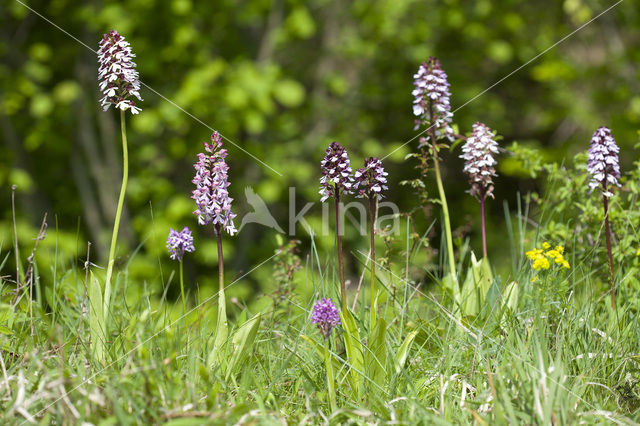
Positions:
{"x": 561, "y": 356}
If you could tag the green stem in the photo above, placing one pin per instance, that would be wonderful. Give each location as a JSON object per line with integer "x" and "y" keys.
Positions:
{"x": 343, "y": 289}
{"x": 607, "y": 230}
{"x": 482, "y": 223}
{"x": 443, "y": 201}
{"x": 184, "y": 303}
{"x": 372, "y": 259}
{"x": 330, "y": 384}
{"x": 116, "y": 225}
{"x": 220, "y": 259}
{"x": 447, "y": 223}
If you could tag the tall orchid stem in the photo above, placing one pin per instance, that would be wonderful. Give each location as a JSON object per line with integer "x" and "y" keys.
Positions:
{"x": 607, "y": 231}
{"x": 443, "y": 199}
{"x": 184, "y": 303}
{"x": 343, "y": 290}
{"x": 330, "y": 383}
{"x": 482, "y": 224}
{"x": 116, "y": 225}
{"x": 372, "y": 259}
{"x": 220, "y": 259}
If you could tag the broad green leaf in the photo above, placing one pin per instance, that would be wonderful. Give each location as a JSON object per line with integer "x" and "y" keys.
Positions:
{"x": 96, "y": 319}
{"x": 403, "y": 351}
{"x": 353, "y": 347}
{"x": 476, "y": 284}
{"x": 451, "y": 285}
{"x": 7, "y": 314}
{"x": 217, "y": 354}
{"x": 242, "y": 343}
{"x": 510, "y": 296}
{"x": 376, "y": 354}
{"x": 373, "y": 313}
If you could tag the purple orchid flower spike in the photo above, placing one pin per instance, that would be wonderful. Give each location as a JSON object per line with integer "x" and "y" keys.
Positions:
{"x": 211, "y": 194}
{"x": 179, "y": 242}
{"x": 119, "y": 80}
{"x": 325, "y": 316}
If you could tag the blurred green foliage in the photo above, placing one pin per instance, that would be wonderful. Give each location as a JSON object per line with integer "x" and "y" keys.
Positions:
{"x": 282, "y": 79}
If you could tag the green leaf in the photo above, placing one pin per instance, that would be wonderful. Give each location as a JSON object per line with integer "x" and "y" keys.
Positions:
{"x": 316, "y": 346}
{"x": 217, "y": 354}
{"x": 300, "y": 23}
{"x": 193, "y": 421}
{"x": 96, "y": 319}
{"x": 242, "y": 343}
{"x": 510, "y": 296}
{"x": 353, "y": 346}
{"x": 401, "y": 355}
{"x": 476, "y": 284}
{"x": 376, "y": 355}
{"x": 289, "y": 93}
{"x": 319, "y": 348}
{"x": 452, "y": 286}
{"x": 455, "y": 144}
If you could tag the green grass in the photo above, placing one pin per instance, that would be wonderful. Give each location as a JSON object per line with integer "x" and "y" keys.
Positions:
{"x": 559, "y": 356}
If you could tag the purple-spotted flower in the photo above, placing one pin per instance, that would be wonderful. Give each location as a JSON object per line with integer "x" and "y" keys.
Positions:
{"x": 211, "y": 194}
{"x": 431, "y": 100}
{"x": 179, "y": 242}
{"x": 479, "y": 163}
{"x": 371, "y": 180}
{"x": 325, "y": 316}
{"x": 603, "y": 161}
{"x": 336, "y": 172}
{"x": 119, "y": 81}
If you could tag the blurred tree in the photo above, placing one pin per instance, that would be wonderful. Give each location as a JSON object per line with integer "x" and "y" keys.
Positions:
{"x": 282, "y": 79}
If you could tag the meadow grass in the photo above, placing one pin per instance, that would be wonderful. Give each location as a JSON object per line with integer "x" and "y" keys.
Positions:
{"x": 559, "y": 355}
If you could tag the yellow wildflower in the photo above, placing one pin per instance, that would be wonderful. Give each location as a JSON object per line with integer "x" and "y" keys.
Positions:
{"x": 541, "y": 263}
{"x": 638, "y": 252}
{"x": 553, "y": 254}
{"x": 542, "y": 257}
{"x": 534, "y": 253}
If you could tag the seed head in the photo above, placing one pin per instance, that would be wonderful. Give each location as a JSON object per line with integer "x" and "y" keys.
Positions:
{"x": 119, "y": 81}
{"x": 431, "y": 97}
{"x": 179, "y": 242}
{"x": 479, "y": 162}
{"x": 603, "y": 161}
{"x": 325, "y": 316}
{"x": 211, "y": 180}
{"x": 371, "y": 180}
{"x": 336, "y": 172}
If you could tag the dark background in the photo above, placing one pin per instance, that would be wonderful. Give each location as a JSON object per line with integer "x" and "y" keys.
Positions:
{"x": 282, "y": 79}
